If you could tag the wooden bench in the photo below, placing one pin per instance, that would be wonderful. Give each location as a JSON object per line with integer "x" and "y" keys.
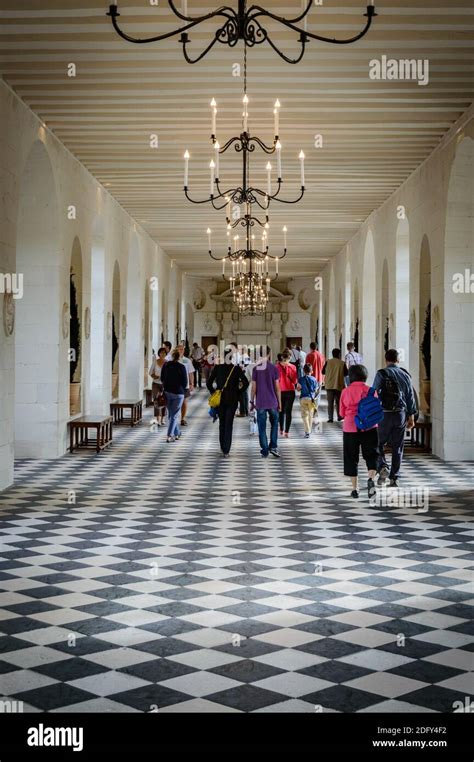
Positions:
{"x": 79, "y": 432}
{"x": 419, "y": 438}
{"x": 148, "y": 394}
{"x": 118, "y": 408}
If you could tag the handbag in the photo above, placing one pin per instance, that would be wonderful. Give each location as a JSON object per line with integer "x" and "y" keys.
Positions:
{"x": 215, "y": 398}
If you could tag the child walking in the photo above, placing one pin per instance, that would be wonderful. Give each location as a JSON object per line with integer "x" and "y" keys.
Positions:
{"x": 308, "y": 387}
{"x": 353, "y": 439}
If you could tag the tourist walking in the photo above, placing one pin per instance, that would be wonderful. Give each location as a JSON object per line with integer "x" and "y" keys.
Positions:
{"x": 309, "y": 388}
{"x": 174, "y": 378}
{"x": 334, "y": 372}
{"x": 190, "y": 385}
{"x": 266, "y": 398}
{"x": 395, "y": 389}
{"x": 167, "y": 345}
{"x": 353, "y": 439}
{"x": 159, "y": 400}
{"x": 301, "y": 360}
{"x": 351, "y": 358}
{"x": 316, "y": 359}
{"x": 288, "y": 379}
{"x": 197, "y": 356}
{"x": 230, "y": 379}
{"x": 244, "y": 391}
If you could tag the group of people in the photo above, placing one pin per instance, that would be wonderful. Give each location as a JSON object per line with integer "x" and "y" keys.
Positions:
{"x": 266, "y": 392}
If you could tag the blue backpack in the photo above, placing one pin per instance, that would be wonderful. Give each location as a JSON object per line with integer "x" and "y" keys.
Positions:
{"x": 369, "y": 411}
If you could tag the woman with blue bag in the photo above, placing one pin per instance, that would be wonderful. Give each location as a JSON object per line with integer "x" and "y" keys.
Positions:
{"x": 362, "y": 412}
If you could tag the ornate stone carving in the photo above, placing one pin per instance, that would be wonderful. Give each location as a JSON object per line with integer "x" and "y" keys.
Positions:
{"x": 435, "y": 322}
{"x": 207, "y": 325}
{"x": 412, "y": 324}
{"x": 65, "y": 318}
{"x": 8, "y": 313}
{"x": 124, "y": 326}
{"x": 295, "y": 325}
{"x": 87, "y": 323}
{"x": 199, "y": 298}
{"x": 303, "y": 300}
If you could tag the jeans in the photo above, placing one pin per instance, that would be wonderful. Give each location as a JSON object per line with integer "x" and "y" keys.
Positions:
{"x": 333, "y": 396}
{"x": 262, "y": 430}
{"x": 226, "y": 422}
{"x": 287, "y": 400}
{"x": 175, "y": 403}
{"x": 391, "y": 432}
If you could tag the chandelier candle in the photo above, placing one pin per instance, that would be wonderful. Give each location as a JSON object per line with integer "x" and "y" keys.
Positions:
{"x": 212, "y": 166}
{"x": 276, "y": 112}
{"x": 214, "y": 117}
{"x": 301, "y": 158}
{"x": 245, "y": 101}
{"x": 278, "y": 153}
{"x": 186, "y": 168}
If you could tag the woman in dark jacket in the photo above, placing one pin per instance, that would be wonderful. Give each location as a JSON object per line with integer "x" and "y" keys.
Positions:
{"x": 174, "y": 378}
{"x": 233, "y": 378}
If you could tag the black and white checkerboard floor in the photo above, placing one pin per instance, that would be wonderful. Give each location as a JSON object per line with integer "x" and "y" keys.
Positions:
{"x": 162, "y": 576}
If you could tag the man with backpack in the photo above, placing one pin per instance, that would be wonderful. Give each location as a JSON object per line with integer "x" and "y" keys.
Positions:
{"x": 395, "y": 391}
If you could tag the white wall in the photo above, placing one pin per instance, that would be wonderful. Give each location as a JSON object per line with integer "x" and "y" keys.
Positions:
{"x": 100, "y": 225}
{"x": 424, "y": 199}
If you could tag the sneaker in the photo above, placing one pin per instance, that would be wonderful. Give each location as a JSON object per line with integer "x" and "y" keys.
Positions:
{"x": 281, "y": 432}
{"x": 371, "y": 488}
{"x": 264, "y": 454}
{"x": 393, "y": 483}
{"x": 383, "y": 473}
{"x": 306, "y": 436}
{"x": 184, "y": 423}
{"x": 170, "y": 439}
{"x": 275, "y": 453}
{"x": 225, "y": 454}
{"x": 354, "y": 494}
{"x": 330, "y": 420}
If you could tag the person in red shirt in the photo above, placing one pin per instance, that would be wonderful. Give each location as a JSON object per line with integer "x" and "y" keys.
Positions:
{"x": 353, "y": 439}
{"x": 288, "y": 380}
{"x": 316, "y": 359}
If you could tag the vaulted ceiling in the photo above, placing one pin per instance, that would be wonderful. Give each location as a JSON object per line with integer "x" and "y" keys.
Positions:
{"x": 375, "y": 133}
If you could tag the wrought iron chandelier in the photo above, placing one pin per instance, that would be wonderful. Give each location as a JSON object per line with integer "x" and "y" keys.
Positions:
{"x": 245, "y": 144}
{"x": 245, "y": 23}
{"x": 249, "y": 275}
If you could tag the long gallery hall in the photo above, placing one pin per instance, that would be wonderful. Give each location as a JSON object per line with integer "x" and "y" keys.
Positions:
{"x": 236, "y": 357}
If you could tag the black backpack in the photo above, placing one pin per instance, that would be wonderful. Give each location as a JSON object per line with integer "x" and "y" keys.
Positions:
{"x": 390, "y": 392}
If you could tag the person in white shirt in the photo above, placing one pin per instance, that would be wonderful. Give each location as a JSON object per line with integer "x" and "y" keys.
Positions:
{"x": 197, "y": 355}
{"x": 167, "y": 346}
{"x": 302, "y": 361}
{"x": 352, "y": 358}
{"x": 190, "y": 370}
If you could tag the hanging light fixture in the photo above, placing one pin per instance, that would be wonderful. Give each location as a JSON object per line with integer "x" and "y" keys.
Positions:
{"x": 245, "y": 23}
{"x": 245, "y": 144}
{"x": 248, "y": 266}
